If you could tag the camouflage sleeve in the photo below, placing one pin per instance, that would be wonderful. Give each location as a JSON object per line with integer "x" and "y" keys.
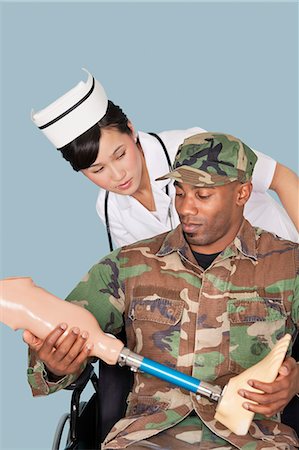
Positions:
{"x": 295, "y": 304}
{"x": 101, "y": 293}
{"x": 38, "y": 378}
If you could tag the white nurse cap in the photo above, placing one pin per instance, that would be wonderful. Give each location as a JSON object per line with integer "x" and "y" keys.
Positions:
{"x": 73, "y": 113}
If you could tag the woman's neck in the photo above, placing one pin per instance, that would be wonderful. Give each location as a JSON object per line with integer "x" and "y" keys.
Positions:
{"x": 144, "y": 193}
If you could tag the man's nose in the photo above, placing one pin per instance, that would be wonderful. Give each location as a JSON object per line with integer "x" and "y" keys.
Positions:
{"x": 188, "y": 206}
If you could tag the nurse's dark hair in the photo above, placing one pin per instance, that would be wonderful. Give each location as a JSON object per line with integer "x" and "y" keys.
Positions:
{"x": 83, "y": 151}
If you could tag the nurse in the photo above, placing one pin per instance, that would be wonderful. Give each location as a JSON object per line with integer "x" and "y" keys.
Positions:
{"x": 97, "y": 138}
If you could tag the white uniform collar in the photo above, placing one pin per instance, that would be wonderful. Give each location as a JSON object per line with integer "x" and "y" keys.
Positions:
{"x": 155, "y": 158}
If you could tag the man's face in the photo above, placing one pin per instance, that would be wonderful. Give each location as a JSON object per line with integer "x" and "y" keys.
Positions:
{"x": 211, "y": 216}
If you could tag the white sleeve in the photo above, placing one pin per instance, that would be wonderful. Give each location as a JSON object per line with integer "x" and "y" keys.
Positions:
{"x": 263, "y": 172}
{"x": 120, "y": 236}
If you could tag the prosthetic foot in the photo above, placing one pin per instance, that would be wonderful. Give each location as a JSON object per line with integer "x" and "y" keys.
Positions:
{"x": 230, "y": 411}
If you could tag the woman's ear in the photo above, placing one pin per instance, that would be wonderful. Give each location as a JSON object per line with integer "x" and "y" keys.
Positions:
{"x": 134, "y": 134}
{"x": 243, "y": 193}
{"x": 130, "y": 125}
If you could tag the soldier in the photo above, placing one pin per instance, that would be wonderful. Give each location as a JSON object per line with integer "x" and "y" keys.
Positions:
{"x": 209, "y": 298}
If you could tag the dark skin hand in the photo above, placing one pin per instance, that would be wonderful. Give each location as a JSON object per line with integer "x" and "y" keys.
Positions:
{"x": 274, "y": 396}
{"x": 64, "y": 358}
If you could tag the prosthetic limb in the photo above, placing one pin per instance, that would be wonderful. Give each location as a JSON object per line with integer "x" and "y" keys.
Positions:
{"x": 23, "y": 305}
{"x": 229, "y": 410}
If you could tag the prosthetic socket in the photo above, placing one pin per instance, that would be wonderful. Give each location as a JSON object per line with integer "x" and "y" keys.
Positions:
{"x": 23, "y": 305}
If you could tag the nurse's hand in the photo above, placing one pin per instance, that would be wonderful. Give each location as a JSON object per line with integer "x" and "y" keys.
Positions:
{"x": 63, "y": 358}
{"x": 274, "y": 396}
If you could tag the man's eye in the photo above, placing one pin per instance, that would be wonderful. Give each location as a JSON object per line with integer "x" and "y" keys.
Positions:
{"x": 203, "y": 197}
{"x": 179, "y": 194}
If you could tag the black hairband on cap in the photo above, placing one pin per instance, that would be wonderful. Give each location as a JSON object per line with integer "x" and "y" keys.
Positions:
{"x": 71, "y": 108}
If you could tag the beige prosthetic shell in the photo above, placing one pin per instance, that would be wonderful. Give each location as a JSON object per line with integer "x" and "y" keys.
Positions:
{"x": 230, "y": 411}
{"x": 23, "y": 305}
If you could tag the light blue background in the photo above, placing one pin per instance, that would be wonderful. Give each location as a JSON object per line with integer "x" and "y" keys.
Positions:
{"x": 229, "y": 67}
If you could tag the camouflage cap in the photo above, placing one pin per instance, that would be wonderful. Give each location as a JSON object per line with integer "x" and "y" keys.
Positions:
{"x": 212, "y": 159}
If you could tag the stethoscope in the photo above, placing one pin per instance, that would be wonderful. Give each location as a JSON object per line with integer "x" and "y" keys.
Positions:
{"x": 166, "y": 191}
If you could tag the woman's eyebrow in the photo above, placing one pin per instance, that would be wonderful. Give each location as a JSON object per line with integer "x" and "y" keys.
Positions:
{"x": 95, "y": 164}
{"x": 101, "y": 164}
{"x": 117, "y": 148}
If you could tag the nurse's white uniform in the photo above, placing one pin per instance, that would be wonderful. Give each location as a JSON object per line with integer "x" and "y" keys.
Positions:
{"x": 130, "y": 221}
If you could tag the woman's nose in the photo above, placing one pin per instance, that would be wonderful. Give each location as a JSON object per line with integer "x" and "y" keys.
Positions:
{"x": 117, "y": 173}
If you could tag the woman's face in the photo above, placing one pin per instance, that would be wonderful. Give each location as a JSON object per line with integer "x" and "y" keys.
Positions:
{"x": 118, "y": 167}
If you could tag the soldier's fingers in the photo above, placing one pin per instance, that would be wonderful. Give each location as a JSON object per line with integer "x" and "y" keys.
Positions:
{"x": 65, "y": 346}
{"x": 74, "y": 350}
{"x": 281, "y": 383}
{"x": 263, "y": 398}
{"x": 52, "y": 339}
{"x": 287, "y": 366}
{"x": 264, "y": 387}
{"x": 81, "y": 358}
{"x": 266, "y": 410}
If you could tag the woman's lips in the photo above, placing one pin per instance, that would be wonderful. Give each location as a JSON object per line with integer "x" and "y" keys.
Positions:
{"x": 125, "y": 185}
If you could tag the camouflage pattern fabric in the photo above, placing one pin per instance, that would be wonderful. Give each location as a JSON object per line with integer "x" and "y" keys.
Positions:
{"x": 38, "y": 378}
{"x": 189, "y": 435}
{"x": 210, "y": 324}
{"x": 212, "y": 159}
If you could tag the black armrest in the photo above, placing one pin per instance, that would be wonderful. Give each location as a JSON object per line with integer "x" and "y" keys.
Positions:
{"x": 77, "y": 423}
{"x": 290, "y": 415}
{"x": 295, "y": 351}
{"x": 78, "y": 386}
{"x": 82, "y": 380}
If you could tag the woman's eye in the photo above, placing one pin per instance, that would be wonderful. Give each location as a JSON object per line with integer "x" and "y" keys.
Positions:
{"x": 120, "y": 155}
{"x": 99, "y": 170}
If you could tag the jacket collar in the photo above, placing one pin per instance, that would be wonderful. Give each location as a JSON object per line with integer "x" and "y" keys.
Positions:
{"x": 245, "y": 243}
{"x": 246, "y": 240}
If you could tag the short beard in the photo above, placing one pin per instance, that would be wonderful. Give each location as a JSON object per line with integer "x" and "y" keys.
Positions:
{"x": 201, "y": 240}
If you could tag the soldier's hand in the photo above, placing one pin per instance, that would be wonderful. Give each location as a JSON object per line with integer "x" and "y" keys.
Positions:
{"x": 274, "y": 396}
{"x": 64, "y": 357}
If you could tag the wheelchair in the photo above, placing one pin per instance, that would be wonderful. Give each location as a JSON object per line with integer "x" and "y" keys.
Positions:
{"x": 90, "y": 422}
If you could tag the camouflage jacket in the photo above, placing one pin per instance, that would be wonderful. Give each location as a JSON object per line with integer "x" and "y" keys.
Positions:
{"x": 211, "y": 324}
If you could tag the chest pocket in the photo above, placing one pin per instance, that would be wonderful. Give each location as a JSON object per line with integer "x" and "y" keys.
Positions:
{"x": 161, "y": 310}
{"x": 156, "y": 323}
{"x": 255, "y": 325}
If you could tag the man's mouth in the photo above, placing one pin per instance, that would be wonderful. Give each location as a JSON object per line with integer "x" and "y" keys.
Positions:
{"x": 191, "y": 227}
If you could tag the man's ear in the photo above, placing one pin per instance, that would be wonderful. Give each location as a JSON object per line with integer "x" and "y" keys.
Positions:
{"x": 243, "y": 193}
